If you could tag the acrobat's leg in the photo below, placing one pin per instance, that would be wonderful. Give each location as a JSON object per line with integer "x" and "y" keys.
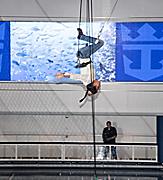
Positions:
{"x": 87, "y": 51}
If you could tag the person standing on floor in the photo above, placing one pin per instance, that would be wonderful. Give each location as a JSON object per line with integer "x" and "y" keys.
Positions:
{"x": 109, "y": 136}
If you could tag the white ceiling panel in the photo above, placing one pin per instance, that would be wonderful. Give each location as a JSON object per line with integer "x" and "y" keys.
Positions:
{"x": 138, "y": 8}
{"x": 61, "y": 8}
{"x": 68, "y": 10}
{"x": 20, "y": 9}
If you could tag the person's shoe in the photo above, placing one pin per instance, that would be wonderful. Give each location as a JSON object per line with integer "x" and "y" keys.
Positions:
{"x": 99, "y": 157}
{"x": 108, "y": 158}
{"x": 80, "y": 32}
{"x": 114, "y": 157}
{"x": 104, "y": 158}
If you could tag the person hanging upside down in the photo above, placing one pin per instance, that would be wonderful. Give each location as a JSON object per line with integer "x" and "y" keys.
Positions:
{"x": 87, "y": 74}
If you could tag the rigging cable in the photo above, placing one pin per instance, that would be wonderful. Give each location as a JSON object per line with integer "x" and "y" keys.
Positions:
{"x": 115, "y": 4}
{"x": 90, "y": 13}
{"x": 91, "y": 49}
{"x": 81, "y": 3}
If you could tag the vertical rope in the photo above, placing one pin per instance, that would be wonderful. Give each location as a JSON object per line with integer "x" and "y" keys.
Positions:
{"x": 80, "y": 13}
{"x": 91, "y": 27}
{"x": 81, "y": 3}
{"x": 115, "y": 4}
{"x": 89, "y": 19}
{"x": 90, "y": 12}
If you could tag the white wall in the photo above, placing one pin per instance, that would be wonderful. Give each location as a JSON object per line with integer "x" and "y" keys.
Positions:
{"x": 115, "y": 98}
{"x": 75, "y": 128}
{"x": 47, "y": 112}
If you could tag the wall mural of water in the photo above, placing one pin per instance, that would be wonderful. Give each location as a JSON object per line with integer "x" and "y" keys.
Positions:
{"x": 41, "y": 49}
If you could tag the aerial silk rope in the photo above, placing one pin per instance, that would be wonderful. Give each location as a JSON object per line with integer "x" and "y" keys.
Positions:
{"x": 92, "y": 78}
{"x": 81, "y": 2}
{"x": 91, "y": 22}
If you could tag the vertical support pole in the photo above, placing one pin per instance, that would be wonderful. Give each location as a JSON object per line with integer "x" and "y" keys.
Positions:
{"x": 110, "y": 152}
{"x": 39, "y": 156}
{"x": 160, "y": 138}
{"x": 63, "y": 151}
{"x": 16, "y": 151}
{"x": 133, "y": 152}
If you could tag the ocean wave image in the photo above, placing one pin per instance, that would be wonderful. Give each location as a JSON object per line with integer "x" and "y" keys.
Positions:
{"x": 41, "y": 49}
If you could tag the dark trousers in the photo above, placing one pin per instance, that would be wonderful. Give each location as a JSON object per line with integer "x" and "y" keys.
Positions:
{"x": 106, "y": 152}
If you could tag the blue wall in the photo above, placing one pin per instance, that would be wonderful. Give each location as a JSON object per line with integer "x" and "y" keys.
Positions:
{"x": 139, "y": 51}
{"x": 4, "y": 51}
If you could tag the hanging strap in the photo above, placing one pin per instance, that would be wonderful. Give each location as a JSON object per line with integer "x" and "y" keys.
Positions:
{"x": 91, "y": 59}
{"x": 90, "y": 86}
{"x": 108, "y": 19}
{"x": 81, "y": 2}
{"x": 80, "y": 12}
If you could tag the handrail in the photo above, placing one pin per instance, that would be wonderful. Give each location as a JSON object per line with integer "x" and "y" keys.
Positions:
{"x": 75, "y": 142}
{"x": 78, "y": 151}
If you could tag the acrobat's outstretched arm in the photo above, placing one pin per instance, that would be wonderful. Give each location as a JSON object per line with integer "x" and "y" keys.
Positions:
{"x": 76, "y": 77}
{"x": 62, "y": 75}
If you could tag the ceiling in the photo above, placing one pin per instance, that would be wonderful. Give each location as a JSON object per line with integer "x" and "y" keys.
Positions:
{"x": 68, "y": 10}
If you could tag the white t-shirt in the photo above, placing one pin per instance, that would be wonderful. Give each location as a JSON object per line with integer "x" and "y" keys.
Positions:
{"x": 86, "y": 73}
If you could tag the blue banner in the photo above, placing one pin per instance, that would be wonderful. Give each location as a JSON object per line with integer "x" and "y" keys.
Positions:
{"x": 139, "y": 51}
{"x": 4, "y": 51}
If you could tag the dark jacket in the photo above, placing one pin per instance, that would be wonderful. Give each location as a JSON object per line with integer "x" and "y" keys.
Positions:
{"x": 108, "y": 133}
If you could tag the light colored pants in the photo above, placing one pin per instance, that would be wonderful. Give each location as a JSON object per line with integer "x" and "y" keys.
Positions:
{"x": 87, "y": 51}
{"x": 104, "y": 152}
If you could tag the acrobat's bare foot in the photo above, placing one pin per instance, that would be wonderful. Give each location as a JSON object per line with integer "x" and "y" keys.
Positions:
{"x": 59, "y": 75}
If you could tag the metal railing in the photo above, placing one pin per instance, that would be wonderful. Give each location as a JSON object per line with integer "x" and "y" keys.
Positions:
{"x": 76, "y": 151}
